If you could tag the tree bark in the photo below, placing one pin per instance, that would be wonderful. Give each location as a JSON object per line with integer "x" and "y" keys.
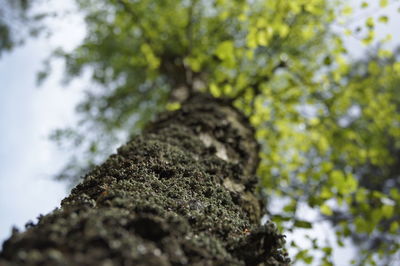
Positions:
{"x": 182, "y": 193}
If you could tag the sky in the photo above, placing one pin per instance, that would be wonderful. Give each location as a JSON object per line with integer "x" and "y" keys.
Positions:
{"x": 28, "y": 159}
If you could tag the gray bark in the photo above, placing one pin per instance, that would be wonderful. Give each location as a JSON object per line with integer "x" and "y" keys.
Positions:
{"x": 184, "y": 192}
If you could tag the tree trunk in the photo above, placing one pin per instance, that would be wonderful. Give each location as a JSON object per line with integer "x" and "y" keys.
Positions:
{"x": 182, "y": 193}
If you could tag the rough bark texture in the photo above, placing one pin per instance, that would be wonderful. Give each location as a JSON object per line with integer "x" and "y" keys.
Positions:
{"x": 182, "y": 193}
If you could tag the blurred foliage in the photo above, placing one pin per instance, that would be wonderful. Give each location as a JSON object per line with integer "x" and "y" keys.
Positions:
{"x": 329, "y": 124}
{"x": 18, "y": 21}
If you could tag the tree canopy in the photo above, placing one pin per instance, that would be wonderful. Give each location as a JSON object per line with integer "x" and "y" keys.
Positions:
{"x": 328, "y": 123}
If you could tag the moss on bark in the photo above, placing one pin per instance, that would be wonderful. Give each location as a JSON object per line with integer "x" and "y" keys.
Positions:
{"x": 182, "y": 193}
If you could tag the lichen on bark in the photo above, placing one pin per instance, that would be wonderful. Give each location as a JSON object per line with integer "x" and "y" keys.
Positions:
{"x": 168, "y": 197}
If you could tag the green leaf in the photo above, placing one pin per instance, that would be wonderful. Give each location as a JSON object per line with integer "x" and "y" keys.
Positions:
{"x": 215, "y": 90}
{"x": 361, "y": 195}
{"x": 326, "y": 210}
{"x": 394, "y": 227}
{"x": 370, "y": 22}
{"x": 291, "y": 207}
{"x": 347, "y": 10}
{"x": 383, "y": 19}
{"x": 280, "y": 218}
{"x": 327, "y": 250}
{"x": 387, "y": 211}
{"x": 383, "y": 3}
{"x": 173, "y": 106}
{"x": 302, "y": 224}
{"x": 326, "y": 193}
{"x": 369, "y": 38}
{"x": 262, "y": 38}
{"x": 351, "y": 184}
{"x": 225, "y": 50}
{"x": 361, "y": 225}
